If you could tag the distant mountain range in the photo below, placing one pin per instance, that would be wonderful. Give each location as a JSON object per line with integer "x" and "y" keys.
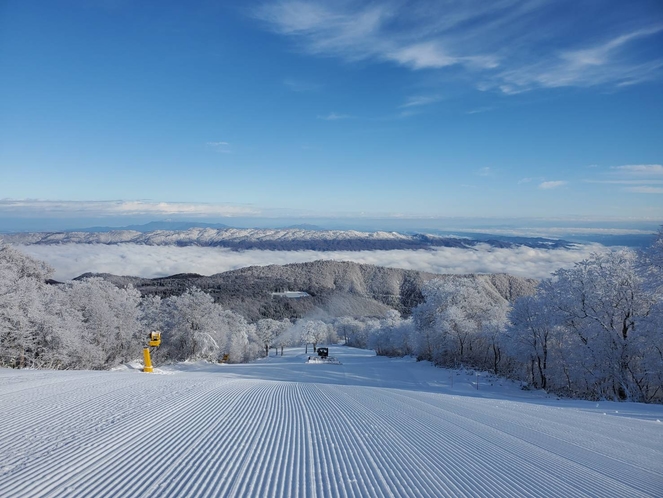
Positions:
{"x": 288, "y": 239}
{"x": 335, "y": 288}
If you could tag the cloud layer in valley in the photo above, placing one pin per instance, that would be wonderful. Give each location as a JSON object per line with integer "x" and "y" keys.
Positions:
{"x": 72, "y": 260}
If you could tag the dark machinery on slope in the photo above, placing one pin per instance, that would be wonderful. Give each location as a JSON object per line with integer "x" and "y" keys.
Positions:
{"x": 323, "y": 357}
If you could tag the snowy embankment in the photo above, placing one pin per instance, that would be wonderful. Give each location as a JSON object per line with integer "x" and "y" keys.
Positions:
{"x": 372, "y": 426}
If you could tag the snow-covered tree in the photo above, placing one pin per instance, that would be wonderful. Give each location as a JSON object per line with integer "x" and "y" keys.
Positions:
{"x": 603, "y": 302}
{"x": 314, "y": 332}
{"x": 111, "y": 320}
{"x": 283, "y": 336}
{"x": 151, "y": 314}
{"x": 453, "y": 315}
{"x": 197, "y": 328}
{"x": 267, "y": 331}
{"x": 391, "y": 335}
{"x": 354, "y": 331}
{"x": 593, "y": 330}
{"x": 188, "y": 329}
{"x": 530, "y": 336}
{"x": 26, "y": 328}
{"x": 241, "y": 341}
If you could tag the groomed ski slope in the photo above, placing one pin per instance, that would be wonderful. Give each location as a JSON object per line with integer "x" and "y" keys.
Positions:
{"x": 278, "y": 427}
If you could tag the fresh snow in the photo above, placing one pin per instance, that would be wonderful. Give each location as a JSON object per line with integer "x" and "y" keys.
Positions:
{"x": 372, "y": 426}
{"x": 200, "y": 236}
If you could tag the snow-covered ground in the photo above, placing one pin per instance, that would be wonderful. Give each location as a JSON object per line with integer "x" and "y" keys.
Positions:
{"x": 372, "y": 426}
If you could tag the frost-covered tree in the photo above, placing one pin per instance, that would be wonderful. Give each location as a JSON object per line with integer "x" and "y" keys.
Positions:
{"x": 151, "y": 314}
{"x": 267, "y": 331}
{"x": 283, "y": 337}
{"x": 652, "y": 258}
{"x": 110, "y": 318}
{"x": 15, "y": 266}
{"x": 593, "y": 330}
{"x": 197, "y": 328}
{"x": 603, "y": 302}
{"x": 354, "y": 331}
{"x": 391, "y": 335}
{"x": 530, "y": 337}
{"x": 314, "y": 332}
{"x": 26, "y": 327}
{"x": 453, "y": 315}
{"x": 39, "y": 326}
{"x": 241, "y": 341}
{"x": 188, "y": 326}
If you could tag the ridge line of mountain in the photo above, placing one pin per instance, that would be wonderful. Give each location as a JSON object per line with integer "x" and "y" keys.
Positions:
{"x": 292, "y": 239}
{"x": 335, "y": 288}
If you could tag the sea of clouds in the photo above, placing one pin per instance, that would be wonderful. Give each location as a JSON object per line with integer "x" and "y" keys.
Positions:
{"x": 71, "y": 260}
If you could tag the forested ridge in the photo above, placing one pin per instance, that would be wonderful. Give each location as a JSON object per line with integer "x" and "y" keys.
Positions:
{"x": 336, "y": 288}
{"x": 592, "y": 331}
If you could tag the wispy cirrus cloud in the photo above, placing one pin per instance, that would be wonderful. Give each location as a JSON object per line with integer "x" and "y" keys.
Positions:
{"x": 353, "y": 32}
{"x": 644, "y": 189}
{"x": 640, "y": 169}
{"x": 603, "y": 63}
{"x": 512, "y": 46}
{"x": 297, "y": 85}
{"x": 552, "y": 184}
{"x": 634, "y": 178}
{"x": 480, "y": 110}
{"x": 628, "y": 182}
{"x": 334, "y": 116}
{"x": 420, "y": 100}
{"x": 48, "y": 208}
{"x": 219, "y": 146}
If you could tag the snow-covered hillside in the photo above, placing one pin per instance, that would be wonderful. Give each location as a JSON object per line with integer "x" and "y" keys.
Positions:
{"x": 271, "y": 239}
{"x": 372, "y": 426}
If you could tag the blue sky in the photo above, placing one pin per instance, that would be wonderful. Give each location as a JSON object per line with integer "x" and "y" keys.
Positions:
{"x": 113, "y": 109}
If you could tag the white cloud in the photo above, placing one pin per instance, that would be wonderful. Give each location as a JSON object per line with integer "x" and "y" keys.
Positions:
{"x": 423, "y": 56}
{"x": 357, "y": 32}
{"x": 601, "y": 64}
{"x": 220, "y": 146}
{"x": 627, "y": 182}
{"x": 408, "y": 113}
{"x": 71, "y": 260}
{"x": 300, "y": 86}
{"x": 509, "y": 45}
{"x": 333, "y": 116}
{"x": 551, "y": 185}
{"x": 640, "y": 169}
{"x": 562, "y": 232}
{"x": 421, "y": 100}
{"x": 480, "y": 110}
{"x": 641, "y": 177}
{"x": 485, "y": 171}
{"x": 600, "y": 54}
{"x": 46, "y": 208}
{"x": 326, "y": 29}
{"x": 642, "y": 189}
